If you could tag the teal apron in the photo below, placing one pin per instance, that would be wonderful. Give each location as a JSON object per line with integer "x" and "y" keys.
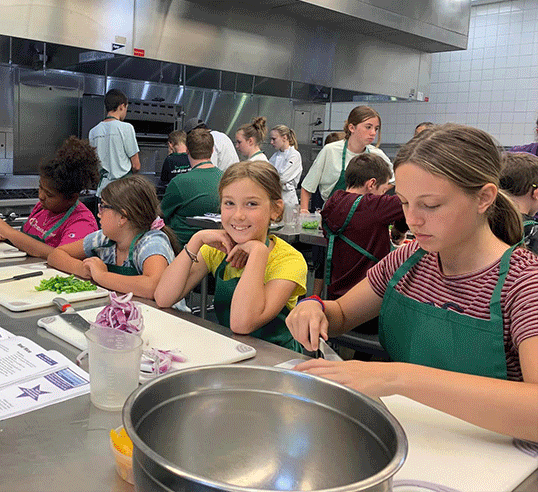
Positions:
{"x": 332, "y": 235}
{"x": 419, "y": 333}
{"x": 275, "y": 331}
{"x": 56, "y": 226}
{"x": 341, "y": 183}
{"x": 121, "y": 269}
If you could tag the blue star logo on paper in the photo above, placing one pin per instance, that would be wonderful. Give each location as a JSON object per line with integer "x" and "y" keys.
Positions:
{"x": 32, "y": 392}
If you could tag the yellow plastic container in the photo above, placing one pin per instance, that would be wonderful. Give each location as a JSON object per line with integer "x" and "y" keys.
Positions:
{"x": 124, "y": 463}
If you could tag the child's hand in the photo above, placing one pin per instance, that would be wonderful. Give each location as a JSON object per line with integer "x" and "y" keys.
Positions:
{"x": 238, "y": 256}
{"x": 216, "y": 238}
{"x": 95, "y": 266}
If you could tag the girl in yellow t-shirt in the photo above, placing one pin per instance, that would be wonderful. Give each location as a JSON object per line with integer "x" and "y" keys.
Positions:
{"x": 258, "y": 276}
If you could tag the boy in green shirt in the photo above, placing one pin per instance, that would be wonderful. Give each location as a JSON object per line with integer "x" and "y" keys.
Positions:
{"x": 193, "y": 193}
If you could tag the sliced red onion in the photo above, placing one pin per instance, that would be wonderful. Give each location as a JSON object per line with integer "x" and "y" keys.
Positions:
{"x": 161, "y": 358}
{"x": 121, "y": 314}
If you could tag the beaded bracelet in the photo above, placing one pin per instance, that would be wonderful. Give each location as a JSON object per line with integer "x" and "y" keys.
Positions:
{"x": 191, "y": 255}
{"x": 314, "y": 298}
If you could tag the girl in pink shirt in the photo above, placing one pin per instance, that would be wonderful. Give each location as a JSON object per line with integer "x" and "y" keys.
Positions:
{"x": 59, "y": 217}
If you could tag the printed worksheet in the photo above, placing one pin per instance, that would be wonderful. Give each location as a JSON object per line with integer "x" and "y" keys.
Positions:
{"x": 5, "y": 334}
{"x": 21, "y": 359}
{"x": 32, "y": 377}
{"x": 63, "y": 383}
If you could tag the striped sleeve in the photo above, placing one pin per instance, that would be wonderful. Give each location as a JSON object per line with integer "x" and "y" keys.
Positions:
{"x": 520, "y": 296}
{"x": 380, "y": 274}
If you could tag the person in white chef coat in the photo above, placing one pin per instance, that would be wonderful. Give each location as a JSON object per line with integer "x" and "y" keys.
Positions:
{"x": 224, "y": 154}
{"x": 288, "y": 162}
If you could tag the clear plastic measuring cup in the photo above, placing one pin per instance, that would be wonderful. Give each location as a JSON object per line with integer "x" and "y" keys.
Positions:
{"x": 114, "y": 366}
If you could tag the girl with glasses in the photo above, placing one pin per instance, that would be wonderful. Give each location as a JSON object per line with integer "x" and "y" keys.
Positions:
{"x": 133, "y": 247}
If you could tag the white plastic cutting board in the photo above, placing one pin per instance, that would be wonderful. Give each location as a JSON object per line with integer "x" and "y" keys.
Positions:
{"x": 165, "y": 331}
{"x": 445, "y": 451}
{"x": 9, "y": 251}
{"x": 20, "y": 295}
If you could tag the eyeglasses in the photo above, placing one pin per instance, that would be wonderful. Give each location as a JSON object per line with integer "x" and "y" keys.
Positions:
{"x": 101, "y": 207}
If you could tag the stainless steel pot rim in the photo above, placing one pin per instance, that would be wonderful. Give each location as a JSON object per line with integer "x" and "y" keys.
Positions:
{"x": 388, "y": 471}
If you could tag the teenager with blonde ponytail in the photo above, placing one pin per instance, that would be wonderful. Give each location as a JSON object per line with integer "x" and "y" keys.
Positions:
{"x": 458, "y": 310}
{"x": 288, "y": 162}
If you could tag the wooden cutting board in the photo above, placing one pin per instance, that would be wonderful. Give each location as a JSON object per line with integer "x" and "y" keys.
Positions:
{"x": 20, "y": 295}
{"x": 9, "y": 251}
{"x": 449, "y": 454}
{"x": 165, "y": 331}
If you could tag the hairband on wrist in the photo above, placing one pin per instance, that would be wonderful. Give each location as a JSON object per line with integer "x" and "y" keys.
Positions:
{"x": 191, "y": 255}
{"x": 314, "y": 298}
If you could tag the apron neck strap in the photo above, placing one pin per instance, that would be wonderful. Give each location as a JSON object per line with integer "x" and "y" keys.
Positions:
{"x": 201, "y": 164}
{"x": 344, "y": 152}
{"x": 504, "y": 267}
{"x": 61, "y": 221}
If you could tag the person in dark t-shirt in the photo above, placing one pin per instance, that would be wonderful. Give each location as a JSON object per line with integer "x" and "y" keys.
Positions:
{"x": 177, "y": 161}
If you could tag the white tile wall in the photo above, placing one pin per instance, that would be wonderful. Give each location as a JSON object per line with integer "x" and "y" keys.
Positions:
{"x": 492, "y": 85}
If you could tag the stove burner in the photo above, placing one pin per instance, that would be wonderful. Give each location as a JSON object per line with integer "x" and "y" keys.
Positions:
{"x": 19, "y": 193}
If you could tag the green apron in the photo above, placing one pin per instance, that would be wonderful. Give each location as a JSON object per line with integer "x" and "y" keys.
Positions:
{"x": 275, "y": 331}
{"x": 55, "y": 226}
{"x": 332, "y": 235}
{"x": 341, "y": 183}
{"x": 124, "y": 270}
{"x": 103, "y": 173}
{"x": 419, "y": 333}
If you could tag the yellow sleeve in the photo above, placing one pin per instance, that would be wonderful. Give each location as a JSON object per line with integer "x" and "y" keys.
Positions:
{"x": 212, "y": 257}
{"x": 286, "y": 263}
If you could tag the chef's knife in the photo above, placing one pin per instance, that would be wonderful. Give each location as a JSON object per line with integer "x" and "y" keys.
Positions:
{"x": 70, "y": 316}
{"x": 37, "y": 273}
{"x": 326, "y": 352}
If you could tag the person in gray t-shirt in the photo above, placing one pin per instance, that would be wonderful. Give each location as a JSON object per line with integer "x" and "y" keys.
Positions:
{"x": 115, "y": 141}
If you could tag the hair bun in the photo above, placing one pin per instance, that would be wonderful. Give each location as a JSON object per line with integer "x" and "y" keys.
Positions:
{"x": 259, "y": 122}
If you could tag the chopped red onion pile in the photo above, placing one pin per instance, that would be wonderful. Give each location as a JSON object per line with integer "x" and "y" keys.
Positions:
{"x": 124, "y": 314}
{"x": 121, "y": 314}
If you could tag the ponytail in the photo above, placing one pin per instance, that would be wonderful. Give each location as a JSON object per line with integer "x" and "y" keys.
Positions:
{"x": 171, "y": 235}
{"x": 505, "y": 220}
{"x": 293, "y": 140}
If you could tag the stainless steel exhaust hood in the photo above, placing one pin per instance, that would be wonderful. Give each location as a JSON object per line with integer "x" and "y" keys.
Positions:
{"x": 369, "y": 46}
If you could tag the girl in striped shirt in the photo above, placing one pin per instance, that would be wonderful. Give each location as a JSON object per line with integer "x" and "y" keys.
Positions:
{"x": 458, "y": 307}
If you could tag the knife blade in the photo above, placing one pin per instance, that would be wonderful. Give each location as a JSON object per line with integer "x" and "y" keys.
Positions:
{"x": 37, "y": 273}
{"x": 70, "y": 316}
{"x": 326, "y": 351}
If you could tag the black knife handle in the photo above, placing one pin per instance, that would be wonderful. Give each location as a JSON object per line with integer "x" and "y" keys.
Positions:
{"x": 37, "y": 273}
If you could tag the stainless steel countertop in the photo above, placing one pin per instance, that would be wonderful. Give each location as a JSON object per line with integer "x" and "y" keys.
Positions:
{"x": 65, "y": 447}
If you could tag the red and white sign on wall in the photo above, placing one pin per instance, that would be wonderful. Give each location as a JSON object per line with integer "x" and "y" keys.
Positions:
{"x": 139, "y": 52}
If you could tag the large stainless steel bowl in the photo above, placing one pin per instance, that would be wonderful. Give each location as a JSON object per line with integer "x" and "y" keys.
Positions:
{"x": 248, "y": 429}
